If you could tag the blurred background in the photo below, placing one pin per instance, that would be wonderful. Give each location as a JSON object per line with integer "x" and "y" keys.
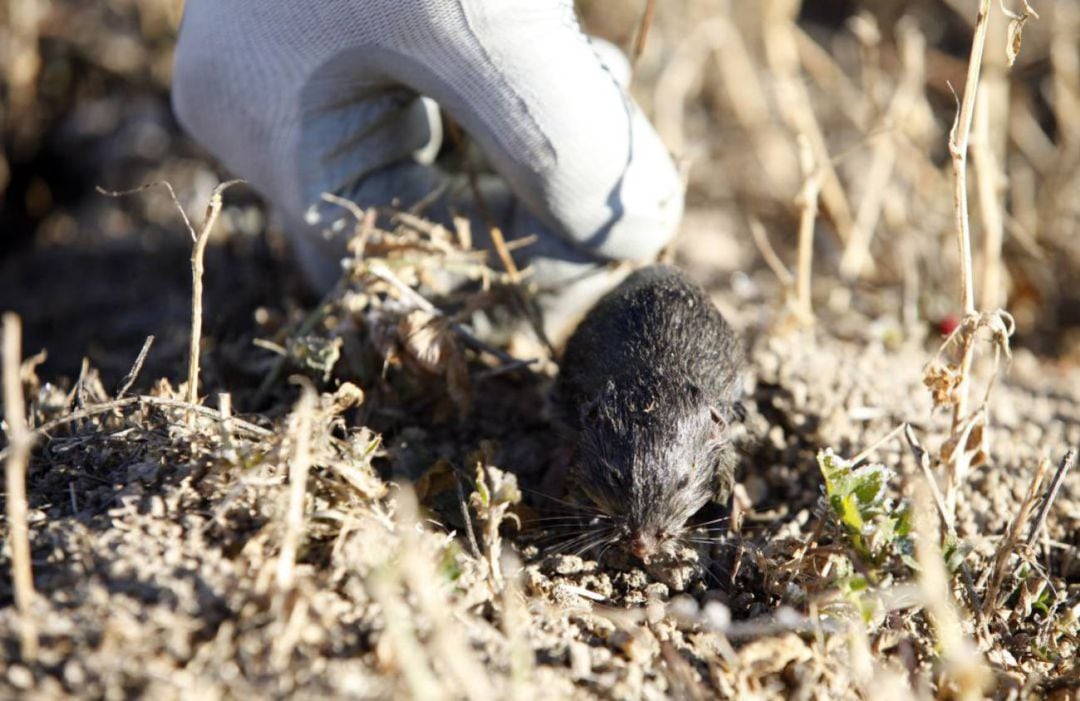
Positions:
{"x": 731, "y": 86}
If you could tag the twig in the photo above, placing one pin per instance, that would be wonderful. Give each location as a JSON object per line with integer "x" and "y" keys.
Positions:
{"x": 1012, "y": 537}
{"x": 501, "y": 249}
{"x": 959, "y": 138}
{"x": 963, "y": 665}
{"x": 1051, "y": 494}
{"x": 808, "y": 204}
{"x": 769, "y": 255}
{"x": 410, "y": 655}
{"x": 796, "y": 107}
{"x": 865, "y": 453}
{"x": 213, "y": 209}
{"x": 923, "y": 458}
{"x": 225, "y": 408}
{"x": 642, "y": 34}
{"x": 365, "y": 221}
{"x": 136, "y": 368}
{"x": 420, "y": 302}
{"x": 469, "y": 532}
{"x": 147, "y": 186}
{"x": 19, "y": 443}
{"x": 200, "y": 239}
{"x": 298, "y": 473}
{"x": 988, "y": 146}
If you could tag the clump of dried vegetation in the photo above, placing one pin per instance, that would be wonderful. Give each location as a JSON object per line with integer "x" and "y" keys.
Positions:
{"x": 348, "y": 504}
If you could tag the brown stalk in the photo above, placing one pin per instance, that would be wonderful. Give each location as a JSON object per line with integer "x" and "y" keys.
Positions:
{"x": 18, "y": 456}
{"x": 965, "y": 670}
{"x": 299, "y": 464}
{"x": 856, "y": 260}
{"x": 988, "y": 154}
{"x": 793, "y": 100}
{"x": 199, "y": 239}
{"x": 1012, "y": 538}
{"x": 1051, "y": 494}
{"x": 808, "y": 204}
{"x": 213, "y": 209}
{"x": 642, "y": 33}
{"x": 959, "y": 139}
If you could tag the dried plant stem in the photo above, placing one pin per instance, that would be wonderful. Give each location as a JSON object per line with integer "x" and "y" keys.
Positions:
{"x": 642, "y": 33}
{"x": 420, "y": 302}
{"x": 959, "y": 139}
{"x": 200, "y": 239}
{"x": 770, "y": 256}
{"x": 1051, "y": 494}
{"x": 299, "y": 465}
{"x": 988, "y": 180}
{"x": 808, "y": 204}
{"x": 18, "y": 457}
{"x": 989, "y": 139}
{"x": 136, "y": 368}
{"x": 1065, "y": 59}
{"x": 793, "y": 99}
{"x": 503, "y": 251}
{"x": 856, "y": 259}
{"x": 1012, "y": 538}
{"x": 198, "y": 252}
{"x": 411, "y": 657}
{"x": 964, "y": 667}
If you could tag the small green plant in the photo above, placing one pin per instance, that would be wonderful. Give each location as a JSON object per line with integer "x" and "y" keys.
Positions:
{"x": 857, "y": 499}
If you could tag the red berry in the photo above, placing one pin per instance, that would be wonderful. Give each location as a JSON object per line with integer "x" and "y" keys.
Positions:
{"x": 947, "y": 324}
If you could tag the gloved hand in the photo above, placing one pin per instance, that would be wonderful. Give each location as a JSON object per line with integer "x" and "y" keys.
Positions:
{"x": 303, "y": 98}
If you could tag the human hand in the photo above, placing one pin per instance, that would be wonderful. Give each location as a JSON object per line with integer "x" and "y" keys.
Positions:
{"x": 324, "y": 96}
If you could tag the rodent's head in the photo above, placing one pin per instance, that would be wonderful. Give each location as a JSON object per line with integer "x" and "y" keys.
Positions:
{"x": 650, "y": 465}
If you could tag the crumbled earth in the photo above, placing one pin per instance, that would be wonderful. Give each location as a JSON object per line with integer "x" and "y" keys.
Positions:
{"x": 156, "y": 543}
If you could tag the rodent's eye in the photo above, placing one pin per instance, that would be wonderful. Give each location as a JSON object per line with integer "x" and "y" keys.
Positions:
{"x": 683, "y": 482}
{"x": 613, "y": 473}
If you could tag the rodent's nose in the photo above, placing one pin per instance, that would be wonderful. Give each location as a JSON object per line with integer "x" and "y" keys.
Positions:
{"x": 641, "y": 545}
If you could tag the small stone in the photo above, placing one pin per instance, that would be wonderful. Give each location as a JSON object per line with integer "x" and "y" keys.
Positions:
{"x": 657, "y": 591}
{"x": 716, "y": 616}
{"x": 569, "y": 564}
{"x": 20, "y": 677}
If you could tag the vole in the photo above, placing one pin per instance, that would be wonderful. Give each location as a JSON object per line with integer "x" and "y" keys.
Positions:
{"x": 648, "y": 387}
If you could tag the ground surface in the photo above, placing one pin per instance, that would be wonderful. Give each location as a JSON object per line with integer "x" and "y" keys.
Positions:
{"x": 161, "y": 540}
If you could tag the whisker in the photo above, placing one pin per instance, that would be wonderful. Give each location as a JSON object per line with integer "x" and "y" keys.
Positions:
{"x": 604, "y": 550}
{"x": 566, "y": 518}
{"x": 709, "y": 523}
{"x": 585, "y": 508}
{"x": 572, "y": 543}
{"x": 604, "y": 539}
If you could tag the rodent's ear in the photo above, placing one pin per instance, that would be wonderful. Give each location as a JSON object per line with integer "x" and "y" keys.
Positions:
{"x": 720, "y": 424}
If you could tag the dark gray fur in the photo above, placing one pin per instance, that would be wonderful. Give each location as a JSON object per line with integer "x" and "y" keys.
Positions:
{"x": 648, "y": 385}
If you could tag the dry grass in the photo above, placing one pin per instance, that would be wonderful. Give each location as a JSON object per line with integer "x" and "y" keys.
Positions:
{"x": 18, "y": 456}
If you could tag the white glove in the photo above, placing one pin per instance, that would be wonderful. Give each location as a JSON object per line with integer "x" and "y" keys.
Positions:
{"x": 303, "y": 98}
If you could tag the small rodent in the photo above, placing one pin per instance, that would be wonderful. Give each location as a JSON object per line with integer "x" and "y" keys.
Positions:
{"x": 648, "y": 385}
